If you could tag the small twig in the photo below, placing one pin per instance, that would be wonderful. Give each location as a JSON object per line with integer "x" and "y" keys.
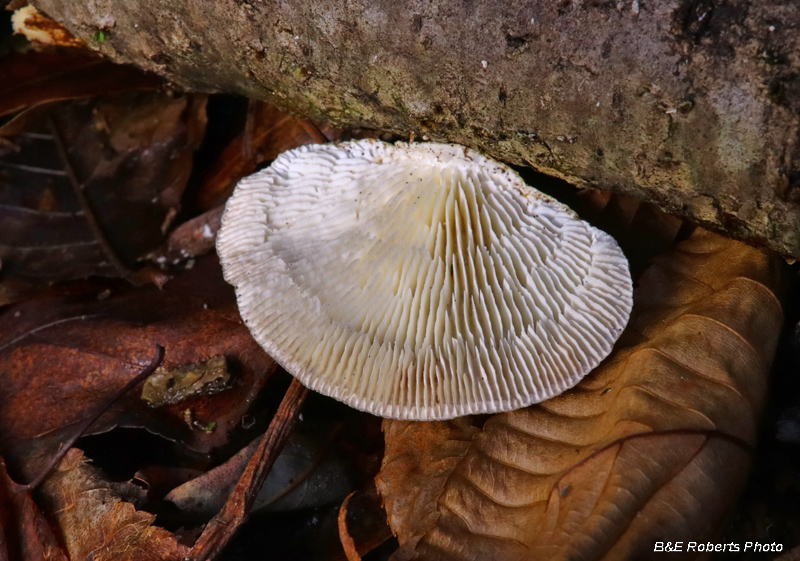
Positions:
{"x": 34, "y": 169}
{"x": 344, "y": 534}
{"x": 89, "y": 421}
{"x": 88, "y": 212}
{"x": 221, "y": 528}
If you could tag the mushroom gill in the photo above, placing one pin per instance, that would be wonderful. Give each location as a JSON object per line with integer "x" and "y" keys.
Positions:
{"x": 420, "y": 281}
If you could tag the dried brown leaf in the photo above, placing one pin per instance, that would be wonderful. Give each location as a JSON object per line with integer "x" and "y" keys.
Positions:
{"x": 653, "y": 445}
{"x": 203, "y": 496}
{"x": 192, "y": 239}
{"x": 33, "y": 78}
{"x": 268, "y": 132}
{"x": 96, "y": 522}
{"x": 344, "y": 533}
{"x": 365, "y": 520}
{"x": 642, "y": 229}
{"x": 92, "y": 188}
{"x": 25, "y": 534}
{"x": 67, "y": 351}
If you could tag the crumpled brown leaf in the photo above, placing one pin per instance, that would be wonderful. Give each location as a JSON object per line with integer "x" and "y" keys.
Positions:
{"x": 96, "y": 521}
{"x": 652, "y": 446}
{"x": 94, "y": 186}
{"x": 90, "y": 187}
{"x": 66, "y": 352}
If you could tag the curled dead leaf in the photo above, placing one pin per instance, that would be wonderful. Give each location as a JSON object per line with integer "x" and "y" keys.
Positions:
{"x": 344, "y": 534}
{"x": 97, "y": 522}
{"x": 66, "y": 351}
{"x": 653, "y": 445}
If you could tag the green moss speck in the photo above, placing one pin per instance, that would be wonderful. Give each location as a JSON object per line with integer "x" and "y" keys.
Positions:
{"x": 399, "y": 104}
{"x": 209, "y": 427}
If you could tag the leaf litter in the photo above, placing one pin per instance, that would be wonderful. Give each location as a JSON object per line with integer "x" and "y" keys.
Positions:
{"x": 665, "y": 425}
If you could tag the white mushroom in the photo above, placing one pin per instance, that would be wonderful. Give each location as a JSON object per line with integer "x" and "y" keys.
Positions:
{"x": 420, "y": 281}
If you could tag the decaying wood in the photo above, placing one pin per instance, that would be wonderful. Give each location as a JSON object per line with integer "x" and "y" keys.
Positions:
{"x": 692, "y": 104}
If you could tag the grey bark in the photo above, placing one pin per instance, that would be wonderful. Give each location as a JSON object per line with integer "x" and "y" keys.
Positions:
{"x": 692, "y": 104}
